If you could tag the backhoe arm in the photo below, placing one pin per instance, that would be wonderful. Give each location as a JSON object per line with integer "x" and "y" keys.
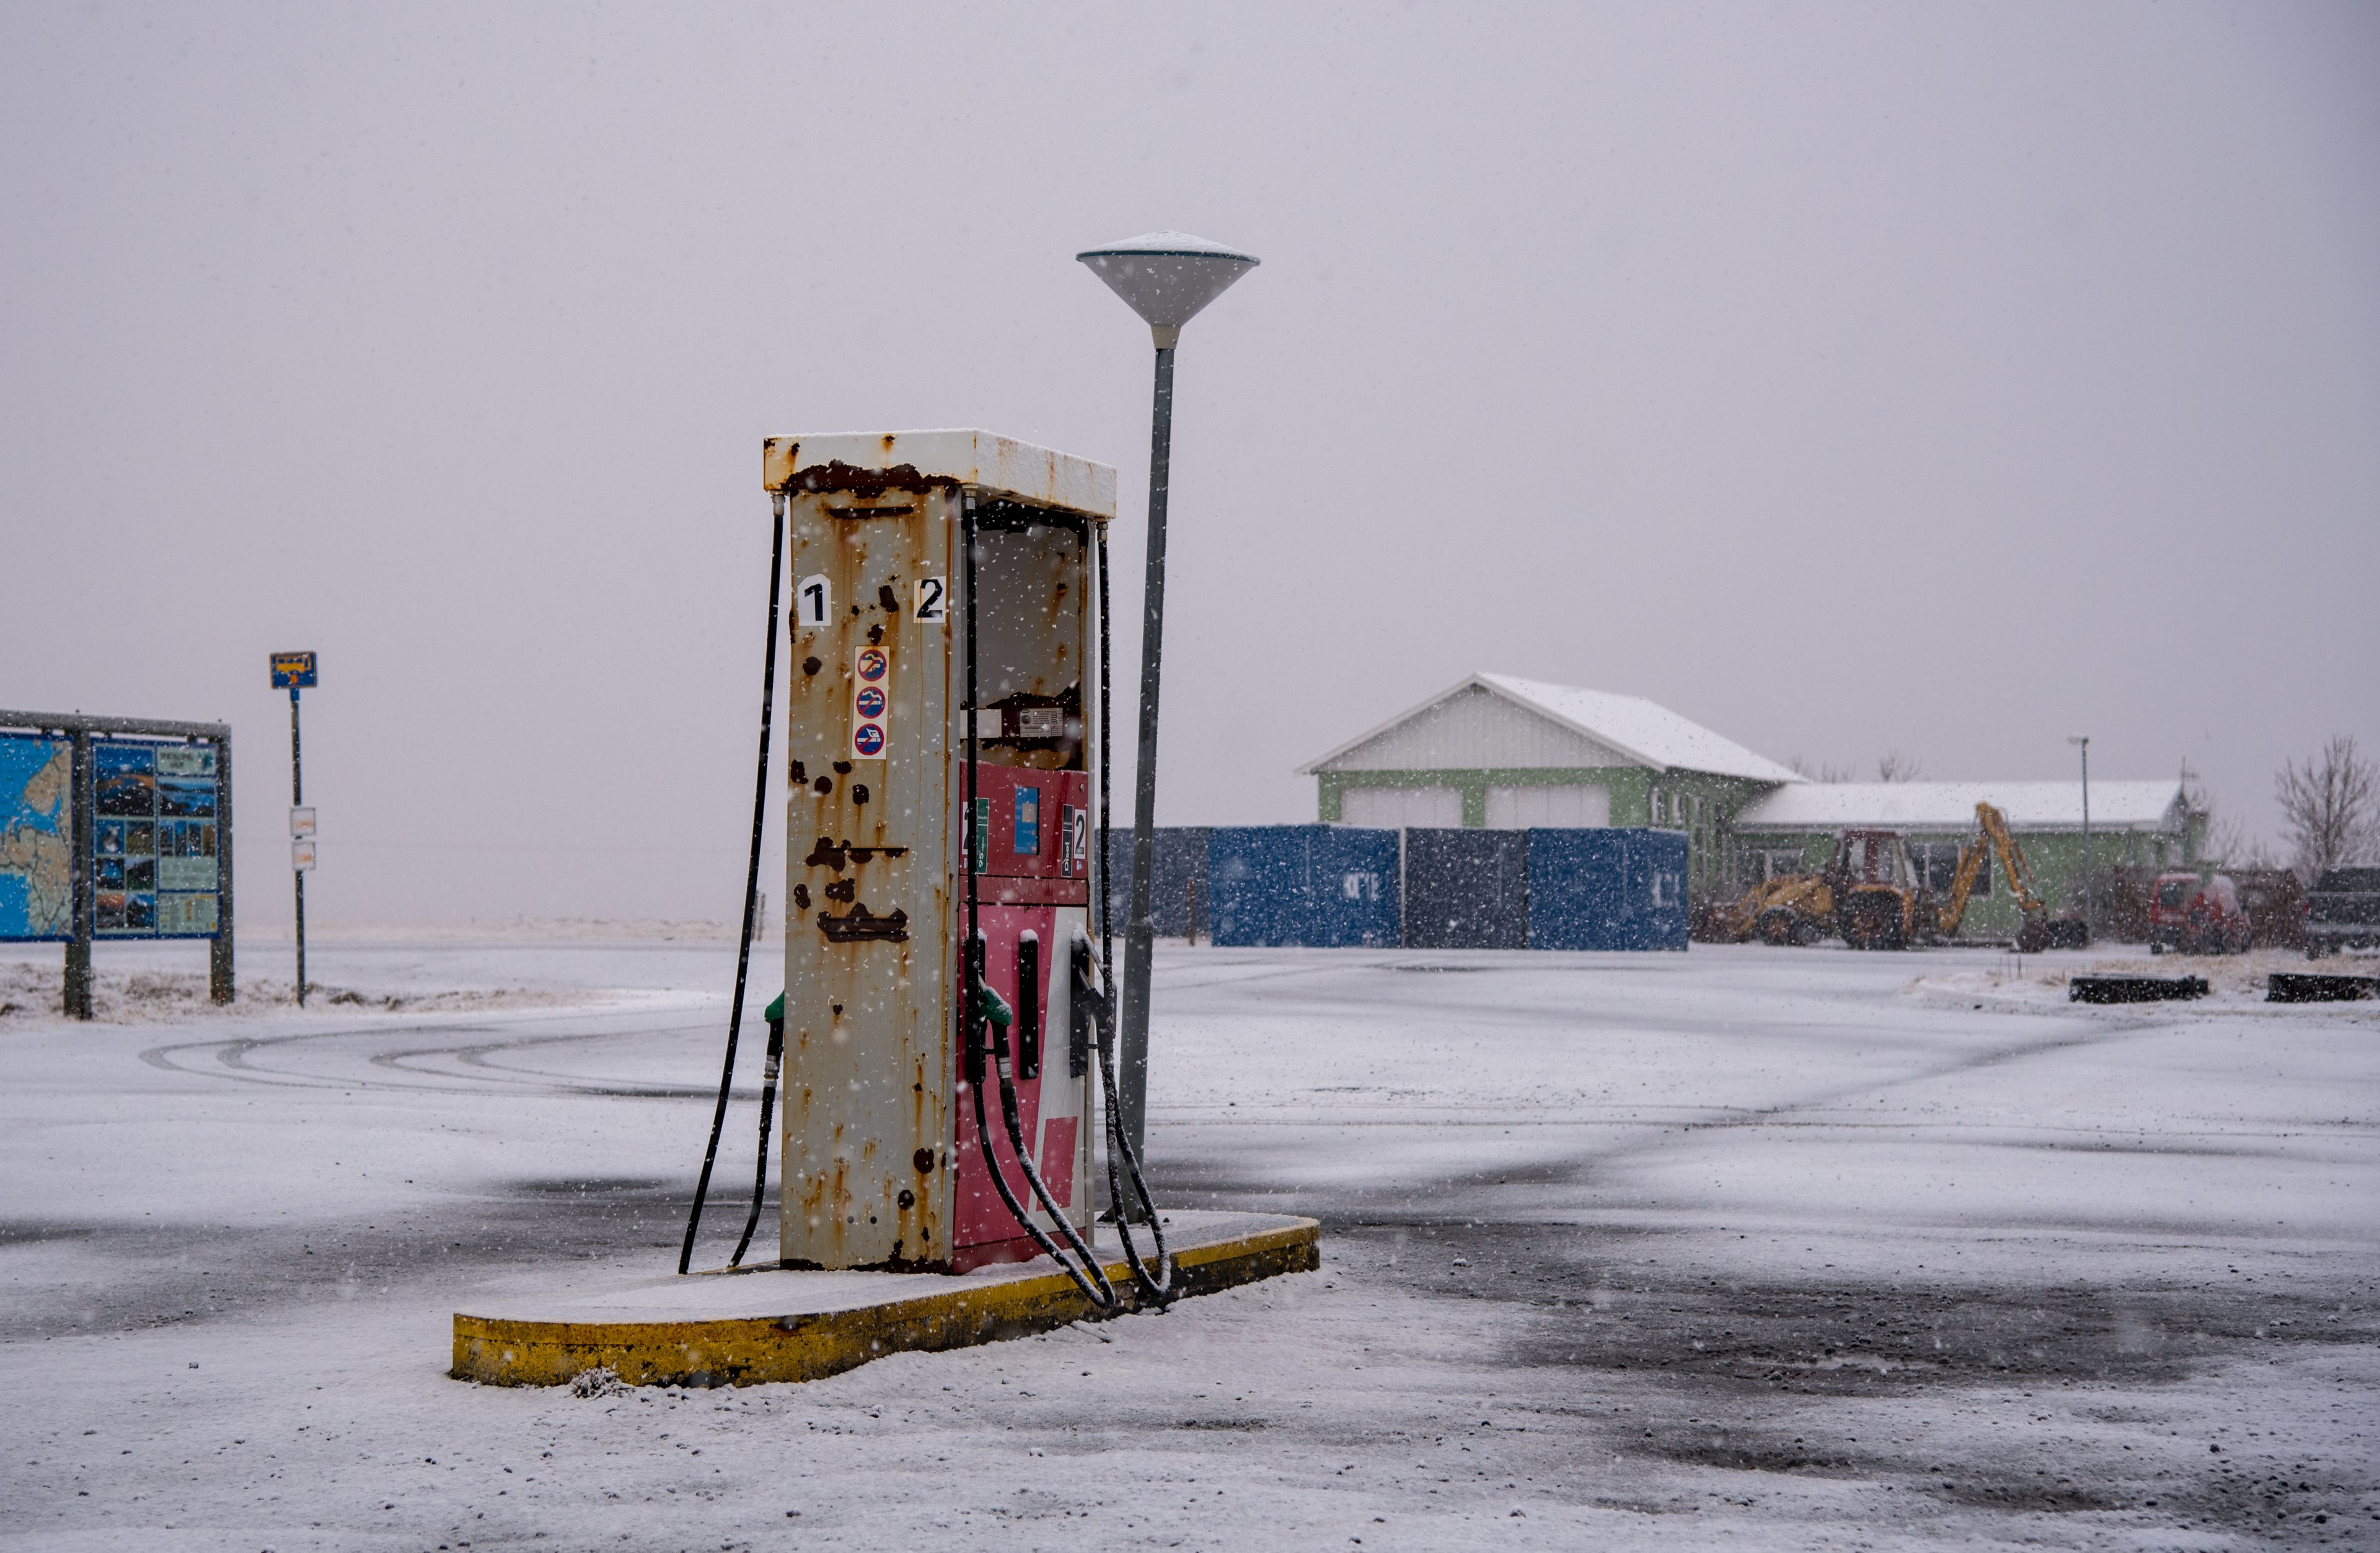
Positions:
{"x": 1991, "y": 836}
{"x": 2012, "y": 863}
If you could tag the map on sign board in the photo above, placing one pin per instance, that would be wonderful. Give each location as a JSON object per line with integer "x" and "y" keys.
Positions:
{"x": 36, "y": 837}
{"x": 154, "y": 872}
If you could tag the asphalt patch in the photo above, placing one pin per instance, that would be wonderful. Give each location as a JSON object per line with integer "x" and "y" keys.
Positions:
{"x": 144, "y": 1274}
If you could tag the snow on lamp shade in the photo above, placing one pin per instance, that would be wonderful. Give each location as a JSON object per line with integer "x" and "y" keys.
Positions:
{"x": 1167, "y": 277}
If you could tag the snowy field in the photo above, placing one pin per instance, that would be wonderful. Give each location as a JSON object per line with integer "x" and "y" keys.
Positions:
{"x": 1743, "y": 1248}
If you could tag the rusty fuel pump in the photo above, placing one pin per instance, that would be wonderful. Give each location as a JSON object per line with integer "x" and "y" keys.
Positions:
{"x": 947, "y": 980}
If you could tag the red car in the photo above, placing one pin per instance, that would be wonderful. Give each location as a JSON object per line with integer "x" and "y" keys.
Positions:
{"x": 2192, "y": 915}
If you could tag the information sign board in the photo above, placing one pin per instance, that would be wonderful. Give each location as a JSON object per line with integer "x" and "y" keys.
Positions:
{"x": 36, "y": 837}
{"x": 293, "y": 670}
{"x": 154, "y": 869}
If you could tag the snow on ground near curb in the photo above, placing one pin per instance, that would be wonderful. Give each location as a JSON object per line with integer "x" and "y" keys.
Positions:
{"x": 1744, "y": 1247}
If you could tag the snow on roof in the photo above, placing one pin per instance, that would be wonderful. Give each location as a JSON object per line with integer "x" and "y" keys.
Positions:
{"x": 1647, "y": 733}
{"x": 1951, "y": 805}
{"x": 1654, "y": 732}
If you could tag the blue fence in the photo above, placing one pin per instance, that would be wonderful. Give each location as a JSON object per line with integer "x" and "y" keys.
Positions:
{"x": 1317, "y": 886}
{"x": 1607, "y": 889}
{"x": 1178, "y": 892}
{"x": 1335, "y": 886}
{"x": 1466, "y": 888}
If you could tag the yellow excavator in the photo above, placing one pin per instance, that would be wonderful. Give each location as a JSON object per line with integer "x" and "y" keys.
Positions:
{"x": 1868, "y": 893}
{"x": 1887, "y": 909}
{"x": 1791, "y": 908}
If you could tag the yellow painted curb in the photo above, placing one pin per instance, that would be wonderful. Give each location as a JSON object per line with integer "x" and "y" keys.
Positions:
{"x": 754, "y": 1350}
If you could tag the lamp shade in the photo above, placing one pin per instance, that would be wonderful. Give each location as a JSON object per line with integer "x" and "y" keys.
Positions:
{"x": 1167, "y": 277}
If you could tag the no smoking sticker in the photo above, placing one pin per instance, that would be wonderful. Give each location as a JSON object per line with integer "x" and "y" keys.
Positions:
{"x": 872, "y": 703}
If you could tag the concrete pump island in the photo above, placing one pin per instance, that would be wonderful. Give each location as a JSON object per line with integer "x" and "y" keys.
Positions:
{"x": 949, "y": 996}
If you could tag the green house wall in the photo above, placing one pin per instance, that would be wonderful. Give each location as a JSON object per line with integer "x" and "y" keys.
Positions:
{"x": 2056, "y": 857}
{"x": 1711, "y": 814}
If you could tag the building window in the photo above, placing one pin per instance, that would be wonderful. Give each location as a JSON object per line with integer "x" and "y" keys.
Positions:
{"x": 1390, "y": 808}
{"x": 1936, "y": 866}
{"x": 1761, "y": 864}
{"x": 1548, "y": 804}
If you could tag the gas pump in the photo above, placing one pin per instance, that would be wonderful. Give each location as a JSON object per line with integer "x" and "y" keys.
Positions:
{"x": 947, "y": 991}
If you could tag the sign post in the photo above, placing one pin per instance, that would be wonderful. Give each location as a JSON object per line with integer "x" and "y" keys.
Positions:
{"x": 294, "y": 672}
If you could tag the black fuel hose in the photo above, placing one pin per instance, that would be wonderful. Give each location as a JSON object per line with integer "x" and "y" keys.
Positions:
{"x": 1106, "y": 1298}
{"x": 1096, "y": 1008}
{"x": 776, "y": 1017}
{"x": 1159, "y": 1289}
{"x": 751, "y": 885}
{"x": 987, "y": 1020}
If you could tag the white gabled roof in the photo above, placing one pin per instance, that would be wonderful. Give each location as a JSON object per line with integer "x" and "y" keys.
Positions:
{"x": 1951, "y": 805}
{"x": 1647, "y": 733}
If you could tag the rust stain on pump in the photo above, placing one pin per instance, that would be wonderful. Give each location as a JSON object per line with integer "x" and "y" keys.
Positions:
{"x": 875, "y": 864}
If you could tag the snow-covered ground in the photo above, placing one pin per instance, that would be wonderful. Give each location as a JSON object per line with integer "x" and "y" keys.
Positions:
{"x": 1744, "y": 1247}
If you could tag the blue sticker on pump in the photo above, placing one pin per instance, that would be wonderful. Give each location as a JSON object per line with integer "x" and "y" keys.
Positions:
{"x": 1028, "y": 821}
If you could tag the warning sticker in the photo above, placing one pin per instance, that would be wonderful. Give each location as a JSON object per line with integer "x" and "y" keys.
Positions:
{"x": 872, "y": 703}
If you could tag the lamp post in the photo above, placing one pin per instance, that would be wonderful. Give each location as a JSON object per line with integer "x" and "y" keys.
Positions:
{"x": 1166, "y": 278}
{"x": 2083, "y": 741}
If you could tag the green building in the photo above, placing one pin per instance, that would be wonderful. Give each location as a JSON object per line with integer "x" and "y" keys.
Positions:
{"x": 1503, "y": 753}
{"x": 1513, "y": 754}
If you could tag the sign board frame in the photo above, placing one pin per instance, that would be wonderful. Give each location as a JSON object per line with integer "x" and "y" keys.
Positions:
{"x": 85, "y": 735}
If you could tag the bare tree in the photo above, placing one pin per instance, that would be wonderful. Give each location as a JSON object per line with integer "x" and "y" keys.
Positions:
{"x": 2226, "y": 839}
{"x": 1823, "y": 771}
{"x": 2331, "y": 807}
{"x": 1897, "y": 767}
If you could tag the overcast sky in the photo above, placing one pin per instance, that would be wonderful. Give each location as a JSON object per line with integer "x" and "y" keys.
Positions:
{"x": 1849, "y": 379}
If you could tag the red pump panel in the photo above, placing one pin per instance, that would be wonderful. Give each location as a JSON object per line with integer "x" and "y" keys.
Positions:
{"x": 984, "y": 1230}
{"x": 1040, "y": 823}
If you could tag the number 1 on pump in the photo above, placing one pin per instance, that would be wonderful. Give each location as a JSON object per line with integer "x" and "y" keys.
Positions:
{"x": 813, "y": 597}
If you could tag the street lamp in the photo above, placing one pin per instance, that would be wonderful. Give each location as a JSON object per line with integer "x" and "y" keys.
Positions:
{"x": 1166, "y": 278}
{"x": 2084, "y": 740}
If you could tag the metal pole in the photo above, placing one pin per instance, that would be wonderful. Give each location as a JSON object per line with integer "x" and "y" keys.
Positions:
{"x": 221, "y": 986}
{"x": 298, "y": 800}
{"x": 79, "y": 782}
{"x": 2089, "y": 931}
{"x": 1140, "y": 931}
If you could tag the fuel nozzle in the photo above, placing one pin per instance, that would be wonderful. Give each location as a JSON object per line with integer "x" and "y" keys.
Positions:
{"x": 987, "y": 1017}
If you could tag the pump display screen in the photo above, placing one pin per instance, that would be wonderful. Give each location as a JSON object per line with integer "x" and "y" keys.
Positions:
{"x": 1027, "y": 843}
